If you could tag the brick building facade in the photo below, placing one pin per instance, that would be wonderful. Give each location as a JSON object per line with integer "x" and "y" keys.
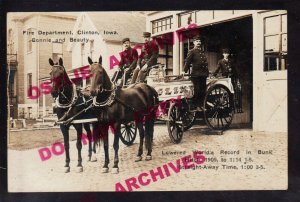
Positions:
{"x": 31, "y": 57}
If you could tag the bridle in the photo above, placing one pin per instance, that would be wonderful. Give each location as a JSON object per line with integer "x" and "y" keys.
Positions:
{"x": 110, "y": 98}
{"x": 72, "y": 100}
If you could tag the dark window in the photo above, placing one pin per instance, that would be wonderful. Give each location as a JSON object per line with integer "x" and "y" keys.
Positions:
{"x": 88, "y": 81}
{"x": 275, "y": 43}
{"x": 166, "y": 52}
{"x": 29, "y": 84}
{"x": 82, "y": 53}
{"x": 91, "y": 48}
{"x": 163, "y": 24}
{"x": 10, "y": 42}
{"x": 186, "y": 18}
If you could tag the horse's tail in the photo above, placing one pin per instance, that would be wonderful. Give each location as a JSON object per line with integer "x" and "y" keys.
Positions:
{"x": 150, "y": 119}
{"x": 96, "y": 135}
{"x": 154, "y": 103}
{"x": 154, "y": 96}
{"x": 93, "y": 135}
{"x": 97, "y": 139}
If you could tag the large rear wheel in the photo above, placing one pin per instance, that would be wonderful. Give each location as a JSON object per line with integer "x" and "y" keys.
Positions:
{"x": 218, "y": 107}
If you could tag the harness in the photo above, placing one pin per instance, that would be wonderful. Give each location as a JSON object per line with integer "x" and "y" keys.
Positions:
{"x": 71, "y": 102}
{"x": 109, "y": 100}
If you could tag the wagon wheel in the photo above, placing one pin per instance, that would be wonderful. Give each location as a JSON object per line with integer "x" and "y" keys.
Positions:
{"x": 128, "y": 133}
{"x": 188, "y": 118}
{"x": 174, "y": 123}
{"x": 218, "y": 107}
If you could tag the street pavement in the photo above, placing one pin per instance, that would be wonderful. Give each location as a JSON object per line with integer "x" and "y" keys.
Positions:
{"x": 28, "y": 173}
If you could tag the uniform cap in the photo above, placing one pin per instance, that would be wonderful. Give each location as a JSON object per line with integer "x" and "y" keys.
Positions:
{"x": 197, "y": 37}
{"x": 125, "y": 39}
{"x": 146, "y": 34}
{"x": 225, "y": 50}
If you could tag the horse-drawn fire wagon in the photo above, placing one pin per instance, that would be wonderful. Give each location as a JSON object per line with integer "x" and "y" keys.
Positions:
{"x": 169, "y": 98}
{"x": 175, "y": 93}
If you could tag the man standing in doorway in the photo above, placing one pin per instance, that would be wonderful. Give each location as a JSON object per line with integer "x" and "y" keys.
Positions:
{"x": 199, "y": 73}
{"x": 147, "y": 59}
{"x": 228, "y": 69}
{"x": 127, "y": 63}
{"x": 226, "y": 66}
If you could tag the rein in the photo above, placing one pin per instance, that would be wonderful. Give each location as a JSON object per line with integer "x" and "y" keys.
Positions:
{"x": 73, "y": 117}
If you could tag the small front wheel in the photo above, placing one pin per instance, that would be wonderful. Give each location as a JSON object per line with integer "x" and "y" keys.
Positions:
{"x": 128, "y": 133}
{"x": 188, "y": 117}
{"x": 174, "y": 123}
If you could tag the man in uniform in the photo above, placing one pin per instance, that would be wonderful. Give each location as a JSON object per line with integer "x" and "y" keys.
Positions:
{"x": 199, "y": 74}
{"x": 228, "y": 69}
{"x": 147, "y": 59}
{"x": 127, "y": 63}
{"x": 225, "y": 65}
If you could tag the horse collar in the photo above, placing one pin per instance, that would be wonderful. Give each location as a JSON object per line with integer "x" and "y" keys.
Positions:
{"x": 73, "y": 99}
{"x": 108, "y": 101}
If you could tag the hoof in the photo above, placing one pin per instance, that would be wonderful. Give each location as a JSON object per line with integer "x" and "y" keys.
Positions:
{"x": 220, "y": 132}
{"x": 93, "y": 159}
{"x": 104, "y": 170}
{"x": 148, "y": 158}
{"x": 79, "y": 169}
{"x": 115, "y": 170}
{"x": 67, "y": 169}
{"x": 138, "y": 158}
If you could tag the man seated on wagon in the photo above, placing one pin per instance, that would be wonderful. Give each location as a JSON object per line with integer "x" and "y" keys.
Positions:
{"x": 127, "y": 63}
{"x": 199, "y": 74}
{"x": 147, "y": 59}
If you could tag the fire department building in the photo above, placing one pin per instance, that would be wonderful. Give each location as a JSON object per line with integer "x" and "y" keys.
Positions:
{"x": 258, "y": 44}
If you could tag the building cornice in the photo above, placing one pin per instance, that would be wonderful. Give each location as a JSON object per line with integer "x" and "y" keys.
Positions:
{"x": 53, "y": 15}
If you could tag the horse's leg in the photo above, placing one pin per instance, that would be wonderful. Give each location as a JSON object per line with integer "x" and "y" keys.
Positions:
{"x": 96, "y": 140}
{"x": 117, "y": 129}
{"x": 65, "y": 131}
{"x": 149, "y": 129}
{"x": 104, "y": 136}
{"x": 89, "y": 135}
{"x": 139, "y": 124}
{"x": 78, "y": 128}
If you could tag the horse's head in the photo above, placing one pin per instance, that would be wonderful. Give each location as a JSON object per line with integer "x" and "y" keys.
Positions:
{"x": 99, "y": 77}
{"x": 57, "y": 75}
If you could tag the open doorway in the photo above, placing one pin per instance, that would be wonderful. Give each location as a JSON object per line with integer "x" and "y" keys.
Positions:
{"x": 236, "y": 35}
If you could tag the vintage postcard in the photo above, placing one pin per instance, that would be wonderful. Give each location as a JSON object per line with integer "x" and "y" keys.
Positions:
{"x": 183, "y": 100}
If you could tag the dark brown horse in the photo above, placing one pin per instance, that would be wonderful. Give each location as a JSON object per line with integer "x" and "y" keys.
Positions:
{"x": 64, "y": 92}
{"x": 115, "y": 106}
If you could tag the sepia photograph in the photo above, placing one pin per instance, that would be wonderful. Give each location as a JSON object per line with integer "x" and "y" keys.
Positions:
{"x": 121, "y": 101}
